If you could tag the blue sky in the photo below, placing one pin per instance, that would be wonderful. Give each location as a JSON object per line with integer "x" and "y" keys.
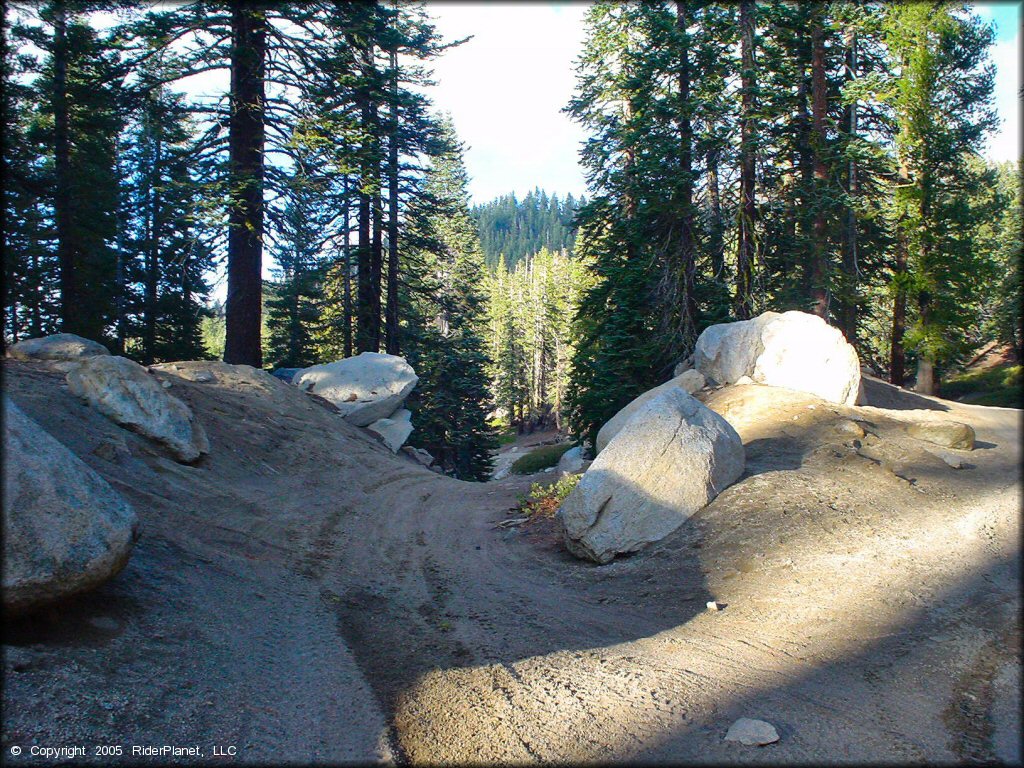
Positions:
{"x": 505, "y": 89}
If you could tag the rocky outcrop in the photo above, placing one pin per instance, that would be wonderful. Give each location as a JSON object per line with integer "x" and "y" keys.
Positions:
{"x": 128, "y": 394}
{"x": 669, "y": 460}
{"x": 65, "y": 529}
{"x": 948, "y": 434}
{"x": 688, "y": 381}
{"x": 394, "y": 430}
{"x": 365, "y": 388}
{"x": 59, "y": 346}
{"x": 794, "y": 350}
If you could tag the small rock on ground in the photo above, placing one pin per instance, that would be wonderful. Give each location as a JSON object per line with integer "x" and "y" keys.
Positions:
{"x": 753, "y": 733}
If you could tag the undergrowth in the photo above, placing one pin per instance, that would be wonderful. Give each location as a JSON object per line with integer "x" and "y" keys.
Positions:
{"x": 998, "y": 385}
{"x": 544, "y": 500}
{"x": 541, "y": 458}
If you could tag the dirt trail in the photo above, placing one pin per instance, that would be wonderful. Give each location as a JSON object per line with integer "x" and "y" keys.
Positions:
{"x": 308, "y": 597}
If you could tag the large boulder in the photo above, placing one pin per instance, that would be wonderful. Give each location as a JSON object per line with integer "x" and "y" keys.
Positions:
{"x": 365, "y": 388}
{"x": 571, "y": 461}
{"x": 59, "y": 346}
{"x": 128, "y": 394}
{"x": 669, "y": 460}
{"x": 948, "y": 434}
{"x": 394, "y": 430}
{"x": 688, "y": 381}
{"x": 794, "y": 350}
{"x": 65, "y": 529}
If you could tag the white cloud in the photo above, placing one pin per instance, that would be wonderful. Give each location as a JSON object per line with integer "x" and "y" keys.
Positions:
{"x": 505, "y": 89}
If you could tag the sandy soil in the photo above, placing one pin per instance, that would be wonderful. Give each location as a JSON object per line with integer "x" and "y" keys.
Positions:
{"x": 306, "y": 596}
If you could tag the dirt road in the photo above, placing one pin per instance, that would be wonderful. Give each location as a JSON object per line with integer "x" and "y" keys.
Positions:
{"x": 307, "y": 597}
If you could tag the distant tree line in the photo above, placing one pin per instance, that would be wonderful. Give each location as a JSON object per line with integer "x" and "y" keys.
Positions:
{"x": 515, "y": 229}
{"x": 775, "y": 155}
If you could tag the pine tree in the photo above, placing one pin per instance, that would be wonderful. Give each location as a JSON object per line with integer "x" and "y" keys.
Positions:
{"x": 942, "y": 98}
{"x": 444, "y": 338}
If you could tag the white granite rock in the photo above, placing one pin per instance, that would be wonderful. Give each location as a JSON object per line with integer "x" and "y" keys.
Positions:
{"x": 671, "y": 458}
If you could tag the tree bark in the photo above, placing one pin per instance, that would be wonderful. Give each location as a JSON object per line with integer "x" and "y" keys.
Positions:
{"x": 818, "y": 268}
{"x": 897, "y": 354}
{"x": 377, "y": 252}
{"x": 687, "y": 246}
{"x": 716, "y": 230}
{"x": 152, "y": 258}
{"x": 243, "y": 308}
{"x": 743, "y": 302}
{"x": 367, "y": 291}
{"x": 70, "y": 301}
{"x": 848, "y": 301}
{"x": 346, "y": 286}
{"x": 392, "y": 345}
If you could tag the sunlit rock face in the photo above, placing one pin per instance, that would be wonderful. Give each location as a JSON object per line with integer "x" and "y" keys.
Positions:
{"x": 65, "y": 529}
{"x": 125, "y": 392}
{"x": 688, "y": 381}
{"x": 671, "y": 457}
{"x": 365, "y": 388}
{"x": 794, "y": 350}
{"x": 59, "y": 346}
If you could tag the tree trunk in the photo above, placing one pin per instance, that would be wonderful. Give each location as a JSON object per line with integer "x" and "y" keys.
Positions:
{"x": 119, "y": 273}
{"x": 743, "y": 302}
{"x": 687, "y": 246}
{"x": 716, "y": 230}
{"x": 897, "y": 354}
{"x": 346, "y": 286}
{"x": 152, "y": 258}
{"x": 70, "y": 301}
{"x": 803, "y": 201}
{"x": 368, "y": 291}
{"x": 391, "y": 330}
{"x": 925, "y": 383}
{"x": 243, "y": 308}
{"x": 818, "y": 267}
{"x": 377, "y": 253}
{"x": 848, "y": 301}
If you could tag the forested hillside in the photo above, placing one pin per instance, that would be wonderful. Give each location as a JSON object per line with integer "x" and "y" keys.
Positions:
{"x": 516, "y": 228}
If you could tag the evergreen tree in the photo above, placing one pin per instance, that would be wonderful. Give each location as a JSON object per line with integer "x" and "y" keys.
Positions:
{"x": 161, "y": 247}
{"x": 942, "y": 99}
{"x": 444, "y": 339}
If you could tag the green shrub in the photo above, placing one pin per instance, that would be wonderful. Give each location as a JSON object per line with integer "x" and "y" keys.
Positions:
{"x": 544, "y": 500}
{"x": 541, "y": 458}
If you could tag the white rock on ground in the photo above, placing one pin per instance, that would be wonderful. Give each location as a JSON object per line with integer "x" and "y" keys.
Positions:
{"x": 395, "y": 429}
{"x": 794, "y": 350}
{"x": 671, "y": 458}
{"x": 688, "y": 381}
{"x": 59, "y": 346}
{"x": 365, "y": 388}
{"x": 753, "y": 733}
{"x": 65, "y": 529}
{"x": 125, "y": 392}
{"x": 571, "y": 461}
